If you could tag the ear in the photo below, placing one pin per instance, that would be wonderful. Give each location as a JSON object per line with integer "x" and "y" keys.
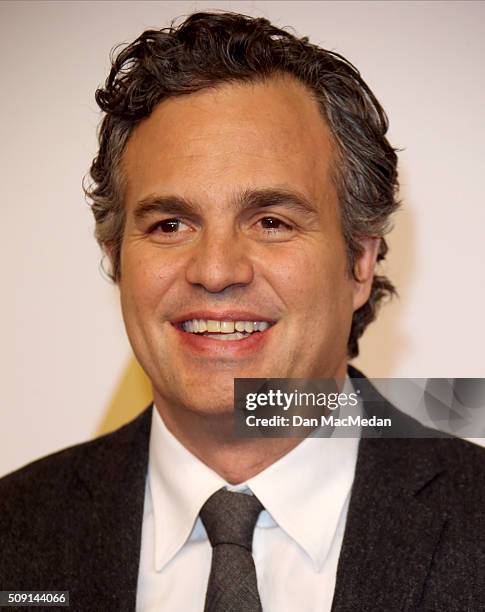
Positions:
{"x": 108, "y": 251}
{"x": 364, "y": 267}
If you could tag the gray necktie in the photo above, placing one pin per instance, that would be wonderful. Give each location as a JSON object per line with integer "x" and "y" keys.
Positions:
{"x": 229, "y": 519}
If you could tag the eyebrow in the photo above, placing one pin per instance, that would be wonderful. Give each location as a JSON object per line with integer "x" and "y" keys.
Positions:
{"x": 247, "y": 200}
{"x": 265, "y": 198}
{"x": 169, "y": 205}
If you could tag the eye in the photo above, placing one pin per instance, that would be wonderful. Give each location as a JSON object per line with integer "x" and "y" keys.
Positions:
{"x": 272, "y": 229}
{"x": 272, "y": 225}
{"x": 171, "y": 230}
{"x": 170, "y": 226}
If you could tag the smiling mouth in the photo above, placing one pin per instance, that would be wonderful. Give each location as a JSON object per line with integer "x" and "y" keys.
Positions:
{"x": 224, "y": 330}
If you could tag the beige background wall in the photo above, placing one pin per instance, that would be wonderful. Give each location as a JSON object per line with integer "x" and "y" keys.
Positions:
{"x": 66, "y": 370}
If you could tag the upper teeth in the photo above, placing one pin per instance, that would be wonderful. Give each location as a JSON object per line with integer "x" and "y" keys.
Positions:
{"x": 223, "y": 327}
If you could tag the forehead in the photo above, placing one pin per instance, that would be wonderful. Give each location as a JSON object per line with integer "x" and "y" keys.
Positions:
{"x": 235, "y": 136}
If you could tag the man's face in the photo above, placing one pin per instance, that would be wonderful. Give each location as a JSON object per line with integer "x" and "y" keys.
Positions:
{"x": 232, "y": 223}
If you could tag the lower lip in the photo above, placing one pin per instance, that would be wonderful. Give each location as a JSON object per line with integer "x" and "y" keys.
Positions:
{"x": 223, "y": 348}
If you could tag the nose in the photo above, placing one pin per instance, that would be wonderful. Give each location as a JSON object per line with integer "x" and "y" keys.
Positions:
{"x": 220, "y": 260}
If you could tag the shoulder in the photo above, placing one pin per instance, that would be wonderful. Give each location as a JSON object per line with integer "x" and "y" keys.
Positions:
{"x": 413, "y": 453}
{"x": 55, "y": 510}
{"x": 446, "y": 473}
{"x": 464, "y": 464}
{"x": 46, "y": 485}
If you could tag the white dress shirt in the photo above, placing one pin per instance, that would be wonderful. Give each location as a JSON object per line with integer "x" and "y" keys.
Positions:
{"x": 297, "y": 538}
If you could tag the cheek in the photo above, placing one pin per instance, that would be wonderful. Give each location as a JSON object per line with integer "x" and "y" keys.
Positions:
{"x": 309, "y": 276}
{"x": 145, "y": 280}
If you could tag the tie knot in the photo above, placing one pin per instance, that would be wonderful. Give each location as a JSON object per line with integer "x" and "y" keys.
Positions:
{"x": 229, "y": 518}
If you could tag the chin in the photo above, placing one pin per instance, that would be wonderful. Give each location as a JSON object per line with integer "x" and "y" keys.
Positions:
{"x": 210, "y": 404}
{"x": 205, "y": 394}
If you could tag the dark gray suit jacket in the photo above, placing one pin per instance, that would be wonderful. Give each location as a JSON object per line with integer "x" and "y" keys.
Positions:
{"x": 414, "y": 539}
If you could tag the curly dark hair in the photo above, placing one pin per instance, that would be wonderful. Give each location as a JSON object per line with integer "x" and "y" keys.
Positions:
{"x": 209, "y": 49}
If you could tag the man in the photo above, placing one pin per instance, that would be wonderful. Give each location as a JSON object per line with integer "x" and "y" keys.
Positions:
{"x": 242, "y": 191}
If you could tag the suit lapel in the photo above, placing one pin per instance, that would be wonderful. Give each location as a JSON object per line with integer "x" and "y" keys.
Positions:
{"x": 393, "y": 526}
{"x": 114, "y": 473}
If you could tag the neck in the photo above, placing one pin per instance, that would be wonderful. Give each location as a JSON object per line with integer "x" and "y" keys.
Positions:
{"x": 211, "y": 438}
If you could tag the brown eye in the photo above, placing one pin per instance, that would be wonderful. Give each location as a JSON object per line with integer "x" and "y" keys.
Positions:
{"x": 169, "y": 226}
{"x": 169, "y": 231}
{"x": 272, "y": 223}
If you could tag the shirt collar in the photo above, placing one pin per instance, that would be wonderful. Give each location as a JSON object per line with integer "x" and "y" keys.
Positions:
{"x": 179, "y": 484}
{"x": 305, "y": 492}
